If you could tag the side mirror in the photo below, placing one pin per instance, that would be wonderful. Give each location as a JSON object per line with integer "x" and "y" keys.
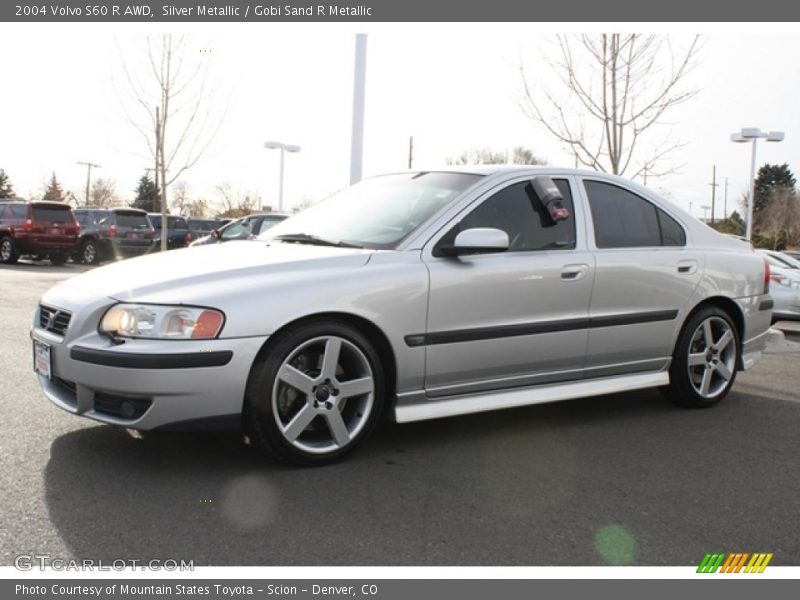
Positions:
{"x": 215, "y": 233}
{"x": 478, "y": 240}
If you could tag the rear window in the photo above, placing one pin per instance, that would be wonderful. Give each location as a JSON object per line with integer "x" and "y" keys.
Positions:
{"x": 53, "y": 214}
{"x": 172, "y": 222}
{"x": 16, "y": 211}
{"x": 177, "y": 223}
{"x": 132, "y": 220}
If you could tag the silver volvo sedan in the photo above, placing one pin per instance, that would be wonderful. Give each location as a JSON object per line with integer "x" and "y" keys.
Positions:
{"x": 422, "y": 294}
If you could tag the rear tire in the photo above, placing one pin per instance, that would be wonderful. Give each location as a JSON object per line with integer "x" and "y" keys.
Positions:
{"x": 315, "y": 394}
{"x": 705, "y": 360}
{"x": 8, "y": 252}
{"x": 90, "y": 254}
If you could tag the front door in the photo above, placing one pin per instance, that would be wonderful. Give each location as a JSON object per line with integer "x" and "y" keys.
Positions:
{"x": 511, "y": 318}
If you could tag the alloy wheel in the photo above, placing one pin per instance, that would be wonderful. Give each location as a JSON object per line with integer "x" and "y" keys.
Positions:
{"x": 712, "y": 357}
{"x": 323, "y": 394}
{"x": 5, "y": 250}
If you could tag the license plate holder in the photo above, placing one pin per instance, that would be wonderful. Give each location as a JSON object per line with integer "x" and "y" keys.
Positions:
{"x": 42, "y": 362}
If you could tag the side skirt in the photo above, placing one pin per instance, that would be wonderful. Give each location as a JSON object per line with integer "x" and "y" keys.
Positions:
{"x": 418, "y": 407}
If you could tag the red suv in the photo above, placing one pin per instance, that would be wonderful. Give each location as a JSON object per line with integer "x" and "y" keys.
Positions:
{"x": 37, "y": 229}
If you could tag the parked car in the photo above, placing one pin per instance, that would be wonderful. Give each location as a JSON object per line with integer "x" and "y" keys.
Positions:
{"x": 37, "y": 229}
{"x": 795, "y": 254}
{"x": 178, "y": 233}
{"x": 780, "y": 259}
{"x": 785, "y": 288}
{"x": 203, "y": 227}
{"x": 108, "y": 234}
{"x": 427, "y": 294}
{"x": 242, "y": 229}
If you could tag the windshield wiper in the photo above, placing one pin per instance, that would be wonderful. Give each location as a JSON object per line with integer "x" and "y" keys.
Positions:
{"x": 305, "y": 238}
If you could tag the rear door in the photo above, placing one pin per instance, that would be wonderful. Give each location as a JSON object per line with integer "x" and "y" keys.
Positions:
{"x": 645, "y": 275}
{"x": 511, "y": 318}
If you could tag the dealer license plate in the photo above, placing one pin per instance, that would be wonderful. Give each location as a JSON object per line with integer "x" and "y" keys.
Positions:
{"x": 41, "y": 359}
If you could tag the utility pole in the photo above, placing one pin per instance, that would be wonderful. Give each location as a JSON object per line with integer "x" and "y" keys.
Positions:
{"x": 713, "y": 185}
{"x": 725, "y": 207}
{"x": 410, "y": 151}
{"x": 645, "y": 176}
{"x": 89, "y": 166}
{"x": 690, "y": 207}
{"x": 705, "y": 208}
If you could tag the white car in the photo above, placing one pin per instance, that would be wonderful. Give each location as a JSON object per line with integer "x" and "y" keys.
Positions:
{"x": 426, "y": 294}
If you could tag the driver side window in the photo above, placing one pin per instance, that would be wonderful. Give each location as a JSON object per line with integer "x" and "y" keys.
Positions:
{"x": 519, "y": 212}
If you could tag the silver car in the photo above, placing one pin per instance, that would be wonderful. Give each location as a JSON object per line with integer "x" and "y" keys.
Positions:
{"x": 785, "y": 286}
{"x": 422, "y": 295}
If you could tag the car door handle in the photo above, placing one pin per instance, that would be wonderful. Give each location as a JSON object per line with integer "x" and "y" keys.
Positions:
{"x": 687, "y": 267}
{"x": 574, "y": 272}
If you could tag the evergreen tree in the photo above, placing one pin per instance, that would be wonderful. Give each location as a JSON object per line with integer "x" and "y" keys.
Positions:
{"x": 54, "y": 191}
{"x": 771, "y": 178}
{"x": 147, "y": 197}
{"x": 6, "y": 189}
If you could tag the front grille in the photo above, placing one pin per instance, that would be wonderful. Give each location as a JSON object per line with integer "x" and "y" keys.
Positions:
{"x": 54, "y": 319}
{"x": 120, "y": 406}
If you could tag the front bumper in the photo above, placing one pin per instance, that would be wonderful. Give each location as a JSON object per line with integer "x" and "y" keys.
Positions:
{"x": 146, "y": 384}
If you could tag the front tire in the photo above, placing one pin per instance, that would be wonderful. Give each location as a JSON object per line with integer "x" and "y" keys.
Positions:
{"x": 8, "y": 252}
{"x": 705, "y": 360}
{"x": 315, "y": 394}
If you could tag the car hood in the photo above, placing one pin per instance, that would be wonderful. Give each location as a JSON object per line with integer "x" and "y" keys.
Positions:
{"x": 194, "y": 274}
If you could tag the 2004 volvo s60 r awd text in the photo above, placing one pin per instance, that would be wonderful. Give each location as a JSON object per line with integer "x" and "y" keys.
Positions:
{"x": 426, "y": 294}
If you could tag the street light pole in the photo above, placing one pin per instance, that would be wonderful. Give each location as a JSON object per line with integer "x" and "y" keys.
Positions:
{"x": 752, "y": 135}
{"x": 283, "y": 148}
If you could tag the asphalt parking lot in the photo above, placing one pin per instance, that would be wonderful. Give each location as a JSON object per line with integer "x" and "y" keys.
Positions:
{"x": 622, "y": 479}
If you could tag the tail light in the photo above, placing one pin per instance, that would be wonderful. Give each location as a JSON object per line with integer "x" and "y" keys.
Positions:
{"x": 151, "y": 232}
{"x": 188, "y": 238}
{"x": 767, "y": 276}
{"x": 112, "y": 231}
{"x": 27, "y": 226}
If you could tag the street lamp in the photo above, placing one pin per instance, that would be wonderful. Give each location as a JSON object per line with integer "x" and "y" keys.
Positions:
{"x": 753, "y": 134}
{"x": 283, "y": 148}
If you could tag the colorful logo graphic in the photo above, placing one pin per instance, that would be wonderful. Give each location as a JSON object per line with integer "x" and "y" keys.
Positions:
{"x": 735, "y": 562}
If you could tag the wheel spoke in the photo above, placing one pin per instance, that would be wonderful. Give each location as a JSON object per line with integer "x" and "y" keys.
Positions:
{"x": 724, "y": 371}
{"x": 355, "y": 387}
{"x": 299, "y": 423}
{"x": 705, "y": 386}
{"x": 707, "y": 334}
{"x": 698, "y": 359}
{"x": 300, "y": 381}
{"x": 337, "y": 427}
{"x": 723, "y": 342}
{"x": 330, "y": 358}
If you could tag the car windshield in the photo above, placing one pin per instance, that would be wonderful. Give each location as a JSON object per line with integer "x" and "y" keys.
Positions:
{"x": 375, "y": 213}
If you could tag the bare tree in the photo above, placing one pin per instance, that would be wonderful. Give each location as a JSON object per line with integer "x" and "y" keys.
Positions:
{"x": 103, "y": 194}
{"x": 615, "y": 88}
{"x": 180, "y": 197}
{"x": 196, "y": 208}
{"x": 235, "y": 203}
{"x": 485, "y": 156}
{"x": 172, "y": 107}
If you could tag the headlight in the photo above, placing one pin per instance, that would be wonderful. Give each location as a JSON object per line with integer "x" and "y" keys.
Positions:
{"x": 162, "y": 322}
